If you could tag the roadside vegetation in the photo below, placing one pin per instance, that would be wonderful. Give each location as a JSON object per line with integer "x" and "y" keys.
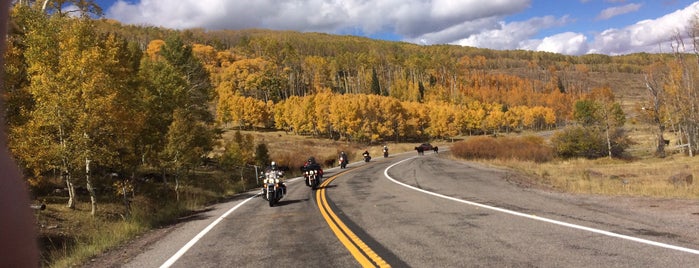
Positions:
{"x": 638, "y": 174}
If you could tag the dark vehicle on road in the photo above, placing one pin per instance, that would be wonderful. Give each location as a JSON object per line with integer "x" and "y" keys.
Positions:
{"x": 423, "y": 147}
{"x": 426, "y": 146}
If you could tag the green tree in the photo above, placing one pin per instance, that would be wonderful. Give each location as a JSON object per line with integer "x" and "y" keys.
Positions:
{"x": 421, "y": 91}
{"x": 599, "y": 112}
{"x": 188, "y": 141}
{"x": 175, "y": 87}
{"x": 197, "y": 92}
{"x": 578, "y": 141}
{"x": 585, "y": 112}
{"x": 159, "y": 99}
{"x": 375, "y": 85}
{"x": 262, "y": 157}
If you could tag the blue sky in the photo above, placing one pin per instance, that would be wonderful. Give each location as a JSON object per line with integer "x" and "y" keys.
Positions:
{"x": 572, "y": 27}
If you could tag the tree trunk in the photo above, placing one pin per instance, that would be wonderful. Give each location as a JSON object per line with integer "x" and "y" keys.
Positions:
{"x": 90, "y": 189}
{"x": 242, "y": 178}
{"x": 689, "y": 145}
{"x": 609, "y": 142}
{"x": 656, "y": 92}
{"x": 177, "y": 188}
{"x": 71, "y": 190}
{"x": 43, "y": 7}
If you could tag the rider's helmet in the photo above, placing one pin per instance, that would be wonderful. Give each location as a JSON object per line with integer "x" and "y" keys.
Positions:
{"x": 311, "y": 160}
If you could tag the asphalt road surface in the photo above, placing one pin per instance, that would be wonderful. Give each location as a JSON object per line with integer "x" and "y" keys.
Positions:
{"x": 430, "y": 211}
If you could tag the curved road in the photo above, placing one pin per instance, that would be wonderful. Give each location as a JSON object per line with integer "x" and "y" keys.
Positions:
{"x": 428, "y": 211}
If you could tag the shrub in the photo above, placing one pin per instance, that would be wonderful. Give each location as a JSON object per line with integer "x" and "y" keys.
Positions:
{"x": 521, "y": 148}
{"x": 589, "y": 143}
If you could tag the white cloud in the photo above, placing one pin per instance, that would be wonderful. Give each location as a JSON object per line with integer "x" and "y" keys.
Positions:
{"x": 407, "y": 18}
{"x": 648, "y": 35}
{"x": 565, "y": 43}
{"x": 514, "y": 35}
{"x": 466, "y": 22}
{"x": 644, "y": 36}
{"x": 616, "y": 11}
{"x": 466, "y": 29}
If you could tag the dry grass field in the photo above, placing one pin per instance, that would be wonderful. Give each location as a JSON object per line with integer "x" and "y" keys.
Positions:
{"x": 642, "y": 177}
{"x": 641, "y": 174}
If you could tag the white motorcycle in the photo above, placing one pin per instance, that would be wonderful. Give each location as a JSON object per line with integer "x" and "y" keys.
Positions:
{"x": 273, "y": 190}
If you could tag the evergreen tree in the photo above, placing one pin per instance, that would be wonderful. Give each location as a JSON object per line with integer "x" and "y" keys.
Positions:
{"x": 262, "y": 157}
{"x": 375, "y": 86}
{"x": 421, "y": 91}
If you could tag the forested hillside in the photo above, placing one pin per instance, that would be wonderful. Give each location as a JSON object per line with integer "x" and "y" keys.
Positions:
{"x": 271, "y": 66}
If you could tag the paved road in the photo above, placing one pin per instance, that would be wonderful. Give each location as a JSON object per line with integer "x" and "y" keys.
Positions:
{"x": 478, "y": 217}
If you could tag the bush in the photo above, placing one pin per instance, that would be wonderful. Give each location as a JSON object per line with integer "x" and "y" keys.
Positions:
{"x": 521, "y": 148}
{"x": 589, "y": 143}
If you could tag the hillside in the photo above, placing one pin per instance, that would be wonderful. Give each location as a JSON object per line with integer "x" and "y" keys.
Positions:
{"x": 287, "y": 48}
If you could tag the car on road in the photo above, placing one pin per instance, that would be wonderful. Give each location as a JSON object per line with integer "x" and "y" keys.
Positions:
{"x": 425, "y": 146}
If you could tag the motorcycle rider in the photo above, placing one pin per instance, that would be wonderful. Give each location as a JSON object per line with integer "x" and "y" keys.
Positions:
{"x": 280, "y": 174}
{"x": 343, "y": 158}
{"x": 366, "y": 156}
{"x": 385, "y": 151}
{"x": 311, "y": 164}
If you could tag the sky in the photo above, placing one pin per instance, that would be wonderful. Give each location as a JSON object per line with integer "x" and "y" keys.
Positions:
{"x": 571, "y": 27}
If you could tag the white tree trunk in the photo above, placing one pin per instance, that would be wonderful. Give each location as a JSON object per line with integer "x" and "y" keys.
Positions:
{"x": 71, "y": 191}
{"x": 43, "y": 7}
{"x": 90, "y": 189}
{"x": 609, "y": 143}
{"x": 177, "y": 188}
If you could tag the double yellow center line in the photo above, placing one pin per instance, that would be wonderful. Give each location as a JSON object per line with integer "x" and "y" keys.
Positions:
{"x": 361, "y": 252}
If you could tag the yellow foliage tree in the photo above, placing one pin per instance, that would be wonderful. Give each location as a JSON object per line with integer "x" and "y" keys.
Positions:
{"x": 153, "y": 49}
{"x": 442, "y": 120}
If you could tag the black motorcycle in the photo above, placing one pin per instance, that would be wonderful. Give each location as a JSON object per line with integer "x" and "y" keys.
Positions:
{"x": 312, "y": 177}
{"x": 385, "y": 152}
{"x": 367, "y": 158}
{"x": 343, "y": 162}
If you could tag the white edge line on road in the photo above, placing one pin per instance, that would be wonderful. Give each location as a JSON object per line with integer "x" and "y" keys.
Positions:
{"x": 194, "y": 240}
{"x": 203, "y": 232}
{"x": 534, "y": 217}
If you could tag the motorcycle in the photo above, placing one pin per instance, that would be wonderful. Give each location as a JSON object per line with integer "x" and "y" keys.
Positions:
{"x": 367, "y": 158}
{"x": 312, "y": 178}
{"x": 343, "y": 162}
{"x": 272, "y": 190}
{"x": 385, "y": 152}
